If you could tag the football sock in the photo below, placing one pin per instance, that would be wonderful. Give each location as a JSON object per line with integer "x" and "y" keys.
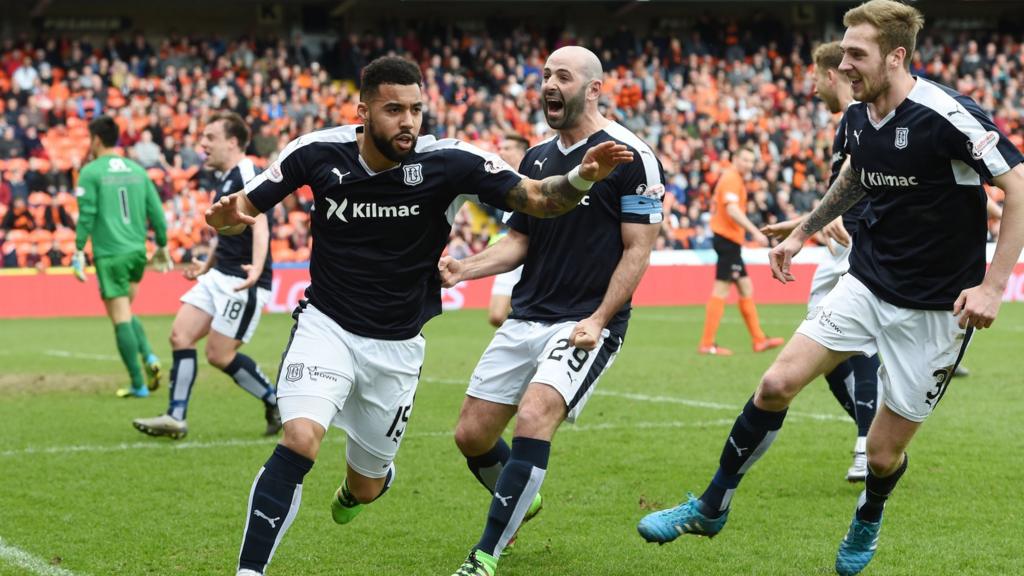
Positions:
{"x": 350, "y": 501}
{"x": 128, "y": 348}
{"x": 877, "y": 491}
{"x": 712, "y": 317}
{"x": 273, "y": 504}
{"x": 865, "y": 391}
{"x": 487, "y": 467}
{"x": 751, "y": 435}
{"x": 837, "y": 384}
{"x": 517, "y": 487}
{"x": 140, "y": 337}
{"x": 749, "y": 311}
{"x": 183, "y": 375}
{"x": 247, "y": 374}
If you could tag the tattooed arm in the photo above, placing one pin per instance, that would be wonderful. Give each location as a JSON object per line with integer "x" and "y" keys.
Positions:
{"x": 556, "y": 195}
{"x": 844, "y": 193}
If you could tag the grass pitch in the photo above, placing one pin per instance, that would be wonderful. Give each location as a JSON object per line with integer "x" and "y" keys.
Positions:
{"x": 82, "y": 493}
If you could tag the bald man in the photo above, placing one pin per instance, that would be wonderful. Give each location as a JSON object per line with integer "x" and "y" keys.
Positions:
{"x": 569, "y": 311}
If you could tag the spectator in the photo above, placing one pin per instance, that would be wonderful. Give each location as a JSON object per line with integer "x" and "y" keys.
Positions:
{"x": 146, "y": 152}
{"x": 18, "y": 217}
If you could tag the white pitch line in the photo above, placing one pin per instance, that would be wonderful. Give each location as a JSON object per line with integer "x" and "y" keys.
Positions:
{"x": 167, "y": 445}
{"x": 81, "y": 355}
{"x": 674, "y": 400}
{"x": 21, "y": 559}
{"x": 712, "y": 405}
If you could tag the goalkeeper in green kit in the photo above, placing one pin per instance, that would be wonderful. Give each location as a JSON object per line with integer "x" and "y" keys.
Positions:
{"x": 115, "y": 199}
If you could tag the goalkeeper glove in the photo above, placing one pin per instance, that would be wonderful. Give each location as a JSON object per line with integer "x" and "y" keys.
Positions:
{"x": 78, "y": 265}
{"x": 162, "y": 260}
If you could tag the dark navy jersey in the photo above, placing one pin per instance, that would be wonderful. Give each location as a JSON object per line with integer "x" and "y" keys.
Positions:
{"x": 840, "y": 150}
{"x": 234, "y": 251}
{"x": 377, "y": 236}
{"x": 571, "y": 258}
{"x": 922, "y": 239}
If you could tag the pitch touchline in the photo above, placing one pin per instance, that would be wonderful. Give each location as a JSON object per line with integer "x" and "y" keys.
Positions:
{"x": 21, "y": 559}
{"x": 162, "y": 445}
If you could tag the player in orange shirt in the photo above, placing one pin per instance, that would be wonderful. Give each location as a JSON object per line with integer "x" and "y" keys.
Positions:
{"x": 730, "y": 224}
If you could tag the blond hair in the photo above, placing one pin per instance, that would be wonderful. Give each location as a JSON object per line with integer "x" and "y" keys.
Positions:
{"x": 827, "y": 56}
{"x": 896, "y": 23}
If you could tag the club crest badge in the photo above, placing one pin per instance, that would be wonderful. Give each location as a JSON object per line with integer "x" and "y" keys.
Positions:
{"x": 902, "y": 135}
{"x": 413, "y": 174}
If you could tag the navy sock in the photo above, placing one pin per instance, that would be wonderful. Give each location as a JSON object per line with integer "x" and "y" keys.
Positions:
{"x": 183, "y": 376}
{"x": 877, "y": 491}
{"x": 347, "y": 499}
{"x": 751, "y": 435}
{"x": 247, "y": 374}
{"x": 517, "y": 487}
{"x": 865, "y": 391}
{"x": 487, "y": 467}
{"x": 837, "y": 384}
{"x": 273, "y": 503}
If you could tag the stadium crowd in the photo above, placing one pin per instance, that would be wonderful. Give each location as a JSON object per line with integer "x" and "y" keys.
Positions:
{"x": 695, "y": 97}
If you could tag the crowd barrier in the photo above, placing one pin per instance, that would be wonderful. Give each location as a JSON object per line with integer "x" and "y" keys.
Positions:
{"x": 675, "y": 278}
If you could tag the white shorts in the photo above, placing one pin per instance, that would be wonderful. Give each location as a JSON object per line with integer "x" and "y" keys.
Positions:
{"x": 522, "y": 352}
{"x": 506, "y": 281}
{"x": 827, "y": 274}
{"x": 919, "y": 349}
{"x": 362, "y": 385}
{"x": 235, "y": 314}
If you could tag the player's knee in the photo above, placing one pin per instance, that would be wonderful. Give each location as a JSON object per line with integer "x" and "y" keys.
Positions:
{"x": 302, "y": 440}
{"x": 219, "y": 358}
{"x": 777, "y": 389}
{"x": 469, "y": 438}
{"x": 883, "y": 462}
{"x": 538, "y": 419}
{"x": 179, "y": 339}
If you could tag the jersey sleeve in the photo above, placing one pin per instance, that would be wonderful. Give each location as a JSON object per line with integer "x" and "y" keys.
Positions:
{"x": 641, "y": 186}
{"x": 281, "y": 178}
{"x": 519, "y": 222}
{"x": 840, "y": 150}
{"x": 482, "y": 173}
{"x": 972, "y": 137}
{"x": 87, "y": 193}
{"x": 155, "y": 213}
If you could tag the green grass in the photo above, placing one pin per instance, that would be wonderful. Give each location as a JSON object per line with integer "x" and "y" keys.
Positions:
{"x": 107, "y": 500}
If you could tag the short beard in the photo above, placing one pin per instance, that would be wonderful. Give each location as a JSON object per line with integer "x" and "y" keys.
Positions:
{"x": 873, "y": 92}
{"x": 385, "y": 147}
{"x": 572, "y": 111}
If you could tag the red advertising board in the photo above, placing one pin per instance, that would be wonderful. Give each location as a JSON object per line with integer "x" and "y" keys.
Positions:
{"x": 26, "y": 294}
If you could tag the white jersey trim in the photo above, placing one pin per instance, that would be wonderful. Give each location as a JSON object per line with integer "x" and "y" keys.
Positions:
{"x": 647, "y": 156}
{"x": 927, "y": 94}
{"x": 338, "y": 135}
{"x": 246, "y": 169}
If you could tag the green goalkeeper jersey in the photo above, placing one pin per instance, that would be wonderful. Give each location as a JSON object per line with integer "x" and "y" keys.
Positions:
{"x": 115, "y": 199}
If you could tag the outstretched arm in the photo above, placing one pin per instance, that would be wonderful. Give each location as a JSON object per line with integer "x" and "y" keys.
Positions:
{"x": 637, "y": 242}
{"x": 844, "y": 193}
{"x": 556, "y": 195}
{"x": 231, "y": 214}
{"x": 503, "y": 256}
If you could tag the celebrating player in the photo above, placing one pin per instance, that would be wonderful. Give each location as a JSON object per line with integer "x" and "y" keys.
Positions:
{"x": 730, "y": 224}
{"x": 381, "y": 219}
{"x": 917, "y": 287}
{"x": 569, "y": 311}
{"x": 854, "y": 382}
{"x": 226, "y": 303}
{"x": 115, "y": 200}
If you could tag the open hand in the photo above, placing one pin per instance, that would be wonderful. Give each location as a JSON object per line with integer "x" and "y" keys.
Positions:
{"x": 600, "y": 160}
